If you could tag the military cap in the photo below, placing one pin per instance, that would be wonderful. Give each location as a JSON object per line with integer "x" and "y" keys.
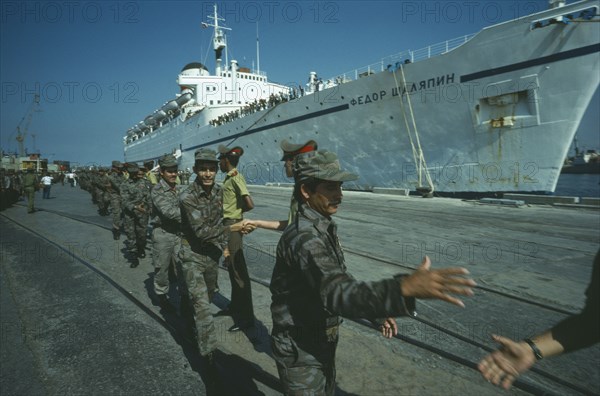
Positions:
{"x": 149, "y": 165}
{"x": 167, "y": 161}
{"x": 323, "y": 165}
{"x": 206, "y": 154}
{"x": 132, "y": 167}
{"x": 116, "y": 164}
{"x": 225, "y": 151}
{"x": 291, "y": 150}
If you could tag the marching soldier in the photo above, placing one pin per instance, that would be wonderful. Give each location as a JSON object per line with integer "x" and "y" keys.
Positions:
{"x": 103, "y": 189}
{"x": 166, "y": 222}
{"x": 203, "y": 242}
{"x": 116, "y": 178}
{"x": 311, "y": 287}
{"x": 135, "y": 196}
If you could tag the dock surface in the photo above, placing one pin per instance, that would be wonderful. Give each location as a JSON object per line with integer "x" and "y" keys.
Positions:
{"x": 76, "y": 319}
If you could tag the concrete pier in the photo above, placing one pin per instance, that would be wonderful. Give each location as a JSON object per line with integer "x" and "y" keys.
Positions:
{"x": 76, "y": 319}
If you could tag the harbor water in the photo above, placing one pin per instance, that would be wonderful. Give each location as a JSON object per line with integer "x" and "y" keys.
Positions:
{"x": 578, "y": 185}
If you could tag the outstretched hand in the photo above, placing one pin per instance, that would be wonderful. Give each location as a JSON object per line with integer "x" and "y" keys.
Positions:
{"x": 438, "y": 284}
{"x": 389, "y": 328}
{"x": 503, "y": 366}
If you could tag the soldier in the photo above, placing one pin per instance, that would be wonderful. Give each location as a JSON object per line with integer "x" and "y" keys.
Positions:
{"x": 311, "y": 288}
{"x": 236, "y": 201}
{"x": 166, "y": 222}
{"x": 30, "y": 186}
{"x": 103, "y": 189}
{"x": 116, "y": 178}
{"x": 204, "y": 240}
{"x": 135, "y": 197}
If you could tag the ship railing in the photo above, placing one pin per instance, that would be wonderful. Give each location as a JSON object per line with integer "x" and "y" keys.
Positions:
{"x": 408, "y": 56}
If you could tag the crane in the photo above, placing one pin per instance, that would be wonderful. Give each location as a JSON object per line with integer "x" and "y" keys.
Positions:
{"x": 24, "y": 123}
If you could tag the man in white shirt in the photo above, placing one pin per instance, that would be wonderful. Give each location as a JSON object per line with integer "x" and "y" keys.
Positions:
{"x": 47, "y": 182}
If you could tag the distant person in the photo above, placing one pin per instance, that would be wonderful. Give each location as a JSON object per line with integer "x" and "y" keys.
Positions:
{"x": 30, "y": 186}
{"x": 116, "y": 179}
{"x": 47, "y": 185}
{"x": 311, "y": 288}
{"x": 503, "y": 366}
{"x": 236, "y": 201}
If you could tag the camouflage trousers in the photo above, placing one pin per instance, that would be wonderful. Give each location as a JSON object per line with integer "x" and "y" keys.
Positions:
{"x": 165, "y": 247}
{"x": 135, "y": 225}
{"x": 115, "y": 208}
{"x": 305, "y": 363}
{"x": 191, "y": 269}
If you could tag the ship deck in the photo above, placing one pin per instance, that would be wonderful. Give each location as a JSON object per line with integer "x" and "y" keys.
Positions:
{"x": 77, "y": 319}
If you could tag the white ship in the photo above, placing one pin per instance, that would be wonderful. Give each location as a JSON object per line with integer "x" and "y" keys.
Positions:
{"x": 492, "y": 112}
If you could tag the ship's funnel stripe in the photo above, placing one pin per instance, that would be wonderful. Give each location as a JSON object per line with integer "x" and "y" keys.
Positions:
{"x": 274, "y": 125}
{"x": 574, "y": 53}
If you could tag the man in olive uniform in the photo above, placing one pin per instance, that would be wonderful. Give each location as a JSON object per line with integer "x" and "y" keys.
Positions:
{"x": 116, "y": 178}
{"x": 203, "y": 242}
{"x": 236, "y": 201}
{"x": 150, "y": 175}
{"x": 166, "y": 223}
{"x": 291, "y": 152}
{"x": 30, "y": 186}
{"x": 311, "y": 287}
{"x": 135, "y": 196}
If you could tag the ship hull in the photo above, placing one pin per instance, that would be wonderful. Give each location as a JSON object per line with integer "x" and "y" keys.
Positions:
{"x": 496, "y": 114}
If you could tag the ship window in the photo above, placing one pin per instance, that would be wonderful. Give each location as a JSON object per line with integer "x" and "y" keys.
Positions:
{"x": 207, "y": 89}
{"x": 211, "y": 102}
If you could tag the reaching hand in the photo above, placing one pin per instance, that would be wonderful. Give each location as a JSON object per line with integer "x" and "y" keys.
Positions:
{"x": 503, "y": 366}
{"x": 439, "y": 284}
{"x": 389, "y": 328}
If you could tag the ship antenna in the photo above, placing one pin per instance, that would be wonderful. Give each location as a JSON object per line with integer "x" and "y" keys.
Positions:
{"x": 257, "y": 51}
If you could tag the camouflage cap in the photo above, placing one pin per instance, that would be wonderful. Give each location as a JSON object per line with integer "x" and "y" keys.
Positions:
{"x": 116, "y": 164}
{"x": 291, "y": 150}
{"x": 167, "y": 161}
{"x": 323, "y": 165}
{"x": 132, "y": 167}
{"x": 149, "y": 164}
{"x": 206, "y": 154}
{"x": 225, "y": 151}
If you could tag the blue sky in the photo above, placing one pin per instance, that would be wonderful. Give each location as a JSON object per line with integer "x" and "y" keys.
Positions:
{"x": 102, "y": 66}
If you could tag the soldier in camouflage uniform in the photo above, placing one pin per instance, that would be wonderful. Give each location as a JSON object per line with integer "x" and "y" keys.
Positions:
{"x": 166, "y": 222}
{"x": 116, "y": 178}
{"x": 311, "y": 288}
{"x": 204, "y": 241}
{"x": 103, "y": 190}
{"x": 135, "y": 197}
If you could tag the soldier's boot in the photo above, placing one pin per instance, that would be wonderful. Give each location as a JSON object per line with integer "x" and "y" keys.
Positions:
{"x": 211, "y": 374}
{"x": 141, "y": 252}
{"x": 116, "y": 233}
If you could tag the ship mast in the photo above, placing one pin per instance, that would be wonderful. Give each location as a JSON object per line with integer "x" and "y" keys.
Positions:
{"x": 219, "y": 39}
